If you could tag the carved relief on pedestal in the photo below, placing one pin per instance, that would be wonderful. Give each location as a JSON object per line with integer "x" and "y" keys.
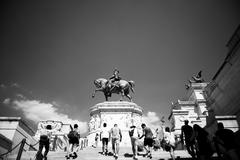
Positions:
{"x": 128, "y": 121}
{"x": 91, "y": 124}
{"x": 97, "y": 121}
{"x": 94, "y": 122}
{"x": 55, "y": 125}
{"x": 58, "y": 141}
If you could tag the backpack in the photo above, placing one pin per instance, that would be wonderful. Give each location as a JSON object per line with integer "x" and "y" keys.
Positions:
{"x": 131, "y": 132}
{"x": 72, "y": 134}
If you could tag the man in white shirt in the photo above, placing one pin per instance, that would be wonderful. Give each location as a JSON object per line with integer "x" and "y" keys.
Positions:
{"x": 104, "y": 137}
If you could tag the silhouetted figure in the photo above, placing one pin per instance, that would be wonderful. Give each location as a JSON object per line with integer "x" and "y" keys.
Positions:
{"x": 203, "y": 146}
{"x": 169, "y": 139}
{"x": 96, "y": 140}
{"x": 237, "y": 141}
{"x": 186, "y": 135}
{"x": 225, "y": 143}
{"x": 148, "y": 140}
{"x": 44, "y": 141}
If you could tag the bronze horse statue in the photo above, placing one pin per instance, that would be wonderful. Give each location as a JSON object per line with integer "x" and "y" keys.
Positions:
{"x": 123, "y": 87}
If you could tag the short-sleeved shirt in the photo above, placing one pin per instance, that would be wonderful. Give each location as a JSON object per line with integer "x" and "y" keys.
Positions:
{"x": 116, "y": 132}
{"x": 147, "y": 132}
{"x": 104, "y": 133}
{"x": 169, "y": 138}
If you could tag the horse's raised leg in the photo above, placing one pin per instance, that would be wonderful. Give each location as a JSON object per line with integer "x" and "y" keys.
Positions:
{"x": 96, "y": 90}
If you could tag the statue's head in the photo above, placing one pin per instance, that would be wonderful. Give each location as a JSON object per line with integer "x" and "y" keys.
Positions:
{"x": 116, "y": 71}
{"x": 97, "y": 83}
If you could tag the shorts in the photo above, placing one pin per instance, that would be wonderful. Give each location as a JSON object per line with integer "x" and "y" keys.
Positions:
{"x": 148, "y": 142}
{"x": 105, "y": 141}
{"x": 74, "y": 141}
{"x": 44, "y": 140}
{"x": 115, "y": 141}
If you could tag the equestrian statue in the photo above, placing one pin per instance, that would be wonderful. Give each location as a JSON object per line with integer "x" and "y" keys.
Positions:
{"x": 115, "y": 84}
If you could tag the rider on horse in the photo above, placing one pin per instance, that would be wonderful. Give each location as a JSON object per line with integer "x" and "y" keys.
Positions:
{"x": 114, "y": 79}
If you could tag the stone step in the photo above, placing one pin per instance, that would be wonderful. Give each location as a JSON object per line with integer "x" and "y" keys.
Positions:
{"x": 90, "y": 153}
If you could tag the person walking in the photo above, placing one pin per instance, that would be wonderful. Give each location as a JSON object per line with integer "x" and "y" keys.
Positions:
{"x": 134, "y": 135}
{"x": 45, "y": 136}
{"x": 186, "y": 136}
{"x": 96, "y": 140}
{"x": 225, "y": 143}
{"x": 116, "y": 136}
{"x": 73, "y": 138}
{"x": 203, "y": 146}
{"x": 169, "y": 139}
{"x": 104, "y": 137}
{"x": 148, "y": 140}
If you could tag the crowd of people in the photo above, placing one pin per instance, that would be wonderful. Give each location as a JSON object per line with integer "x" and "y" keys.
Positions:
{"x": 73, "y": 142}
{"x": 200, "y": 144}
{"x": 197, "y": 141}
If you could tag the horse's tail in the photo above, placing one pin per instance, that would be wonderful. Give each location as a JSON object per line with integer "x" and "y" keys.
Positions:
{"x": 132, "y": 85}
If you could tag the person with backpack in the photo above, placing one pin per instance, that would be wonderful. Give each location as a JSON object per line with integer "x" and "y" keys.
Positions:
{"x": 134, "y": 135}
{"x": 104, "y": 137}
{"x": 169, "y": 139}
{"x": 45, "y": 136}
{"x": 148, "y": 140}
{"x": 116, "y": 135}
{"x": 73, "y": 139}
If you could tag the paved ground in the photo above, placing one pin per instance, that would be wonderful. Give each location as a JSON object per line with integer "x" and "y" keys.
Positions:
{"x": 90, "y": 153}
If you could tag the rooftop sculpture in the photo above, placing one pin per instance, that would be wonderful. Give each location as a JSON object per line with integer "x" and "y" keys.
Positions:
{"x": 195, "y": 79}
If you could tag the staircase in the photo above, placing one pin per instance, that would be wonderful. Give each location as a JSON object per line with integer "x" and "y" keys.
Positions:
{"x": 90, "y": 153}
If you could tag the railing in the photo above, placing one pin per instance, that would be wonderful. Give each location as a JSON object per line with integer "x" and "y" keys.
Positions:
{"x": 83, "y": 144}
{"x": 22, "y": 143}
{"x": 21, "y": 149}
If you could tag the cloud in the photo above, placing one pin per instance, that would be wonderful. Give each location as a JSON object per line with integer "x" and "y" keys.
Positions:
{"x": 20, "y": 96}
{"x": 2, "y": 86}
{"x": 6, "y": 101}
{"x": 15, "y": 85}
{"x": 152, "y": 120}
{"x": 39, "y": 111}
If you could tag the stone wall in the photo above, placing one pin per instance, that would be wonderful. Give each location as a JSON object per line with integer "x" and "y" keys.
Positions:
{"x": 15, "y": 129}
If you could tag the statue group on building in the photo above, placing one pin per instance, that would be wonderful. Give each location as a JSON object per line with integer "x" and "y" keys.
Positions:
{"x": 195, "y": 79}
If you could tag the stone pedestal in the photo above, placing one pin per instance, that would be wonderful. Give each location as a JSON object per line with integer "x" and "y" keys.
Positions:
{"x": 122, "y": 113}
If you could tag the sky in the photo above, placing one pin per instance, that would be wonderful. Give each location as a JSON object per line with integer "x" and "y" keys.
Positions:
{"x": 52, "y": 51}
